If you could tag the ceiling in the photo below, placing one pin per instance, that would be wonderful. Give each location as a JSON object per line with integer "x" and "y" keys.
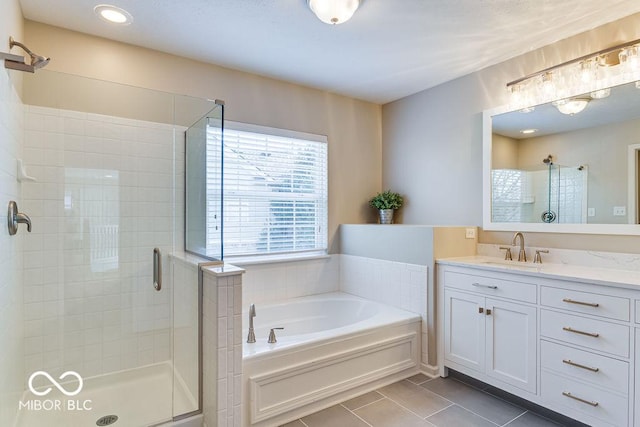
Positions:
{"x": 388, "y": 50}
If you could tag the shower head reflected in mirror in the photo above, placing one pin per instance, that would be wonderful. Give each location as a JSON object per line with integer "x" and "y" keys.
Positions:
{"x": 37, "y": 61}
{"x": 16, "y": 62}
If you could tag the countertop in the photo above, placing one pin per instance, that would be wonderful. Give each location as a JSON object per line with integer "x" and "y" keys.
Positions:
{"x": 575, "y": 273}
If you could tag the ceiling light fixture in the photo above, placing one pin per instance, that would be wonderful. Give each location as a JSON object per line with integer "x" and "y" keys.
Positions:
{"x": 334, "y": 12}
{"x": 528, "y": 131}
{"x": 588, "y": 74}
{"x": 571, "y": 106}
{"x": 113, "y": 14}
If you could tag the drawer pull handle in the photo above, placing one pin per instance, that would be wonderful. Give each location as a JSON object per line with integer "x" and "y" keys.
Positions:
{"x": 480, "y": 285}
{"x": 577, "y": 365}
{"x": 575, "y": 331}
{"x": 588, "y": 402}
{"x": 589, "y": 304}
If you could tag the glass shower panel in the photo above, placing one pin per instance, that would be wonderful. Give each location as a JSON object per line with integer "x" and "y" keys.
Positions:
{"x": 105, "y": 196}
{"x": 204, "y": 163}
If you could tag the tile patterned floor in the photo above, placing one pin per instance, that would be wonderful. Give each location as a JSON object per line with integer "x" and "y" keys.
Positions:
{"x": 440, "y": 402}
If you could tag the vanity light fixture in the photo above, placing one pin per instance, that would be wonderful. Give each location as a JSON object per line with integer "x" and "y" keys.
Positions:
{"x": 589, "y": 74}
{"x": 333, "y": 12}
{"x": 571, "y": 106}
{"x": 602, "y": 93}
{"x": 113, "y": 14}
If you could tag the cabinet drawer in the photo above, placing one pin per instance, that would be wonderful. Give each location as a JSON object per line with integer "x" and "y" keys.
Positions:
{"x": 591, "y": 333}
{"x": 586, "y": 302}
{"x": 638, "y": 311}
{"x": 595, "y": 404}
{"x": 491, "y": 286}
{"x": 602, "y": 371}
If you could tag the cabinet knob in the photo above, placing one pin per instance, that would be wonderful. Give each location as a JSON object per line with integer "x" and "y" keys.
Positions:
{"x": 488, "y": 312}
{"x": 480, "y": 310}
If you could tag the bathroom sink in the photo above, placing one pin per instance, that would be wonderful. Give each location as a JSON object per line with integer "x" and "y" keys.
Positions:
{"x": 511, "y": 264}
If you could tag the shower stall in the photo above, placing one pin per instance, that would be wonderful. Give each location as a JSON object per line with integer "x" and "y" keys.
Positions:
{"x": 109, "y": 331}
{"x": 551, "y": 193}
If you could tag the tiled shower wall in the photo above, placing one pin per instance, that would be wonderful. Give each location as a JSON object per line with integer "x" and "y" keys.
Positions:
{"x": 102, "y": 201}
{"x": 11, "y": 135}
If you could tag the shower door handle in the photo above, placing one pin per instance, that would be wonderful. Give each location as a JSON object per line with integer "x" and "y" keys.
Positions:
{"x": 157, "y": 269}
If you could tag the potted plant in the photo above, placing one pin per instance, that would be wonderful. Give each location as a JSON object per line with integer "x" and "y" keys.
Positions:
{"x": 386, "y": 202}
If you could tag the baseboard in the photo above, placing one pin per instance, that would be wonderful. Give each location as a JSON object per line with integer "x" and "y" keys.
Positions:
{"x": 430, "y": 370}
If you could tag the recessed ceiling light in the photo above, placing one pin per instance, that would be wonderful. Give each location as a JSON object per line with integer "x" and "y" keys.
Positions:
{"x": 528, "y": 131}
{"x": 113, "y": 14}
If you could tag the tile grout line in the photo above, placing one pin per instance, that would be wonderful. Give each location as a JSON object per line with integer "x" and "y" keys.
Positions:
{"x": 367, "y": 404}
{"x": 356, "y": 415}
{"x": 509, "y": 422}
{"x": 410, "y": 411}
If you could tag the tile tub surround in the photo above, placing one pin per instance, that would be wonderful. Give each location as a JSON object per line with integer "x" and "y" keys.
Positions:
{"x": 11, "y": 257}
{"x": 87, "y": 307}
{"x": 275, "y": 281}
{"x": 439, "y": 402}
{"x": 397, "y": 284}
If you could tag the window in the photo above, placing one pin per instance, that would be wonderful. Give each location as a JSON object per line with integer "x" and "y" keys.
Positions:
{"x": 274, "y": 191}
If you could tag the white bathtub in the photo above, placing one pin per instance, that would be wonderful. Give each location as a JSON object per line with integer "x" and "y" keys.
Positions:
{"x": 334, "y": 346}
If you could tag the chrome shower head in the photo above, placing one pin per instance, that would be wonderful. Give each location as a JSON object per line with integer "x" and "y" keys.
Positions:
{"x": 37, "y": 61}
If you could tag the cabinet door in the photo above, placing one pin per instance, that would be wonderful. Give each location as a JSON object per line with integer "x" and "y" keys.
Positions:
{"x": 464, "y": 334}
{"x": 637, "y": 373}
{"x": 511, "y": 344}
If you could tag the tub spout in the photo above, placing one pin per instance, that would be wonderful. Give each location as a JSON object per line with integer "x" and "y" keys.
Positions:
{"x": 251, "y": 338}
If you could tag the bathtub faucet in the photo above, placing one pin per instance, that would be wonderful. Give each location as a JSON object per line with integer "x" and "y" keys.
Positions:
{"x": 251, "y": 338}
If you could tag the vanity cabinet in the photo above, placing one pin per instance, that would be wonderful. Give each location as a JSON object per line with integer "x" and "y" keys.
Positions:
{"x": 568, "y": 345}
{"x": 493, "y": 336}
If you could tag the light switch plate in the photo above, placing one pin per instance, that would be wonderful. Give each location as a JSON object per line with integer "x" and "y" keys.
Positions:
{"x": 470, "y": 233}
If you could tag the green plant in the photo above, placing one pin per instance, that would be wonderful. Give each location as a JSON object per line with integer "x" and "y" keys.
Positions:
{"x": 386, "y": 200}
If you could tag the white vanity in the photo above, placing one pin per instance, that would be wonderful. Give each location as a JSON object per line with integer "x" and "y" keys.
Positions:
{"x": 561, "y": 336}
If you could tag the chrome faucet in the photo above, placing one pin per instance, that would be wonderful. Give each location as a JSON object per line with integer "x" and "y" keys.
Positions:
{"x": 251, "y": 338}
{"x": 522, "y": 256}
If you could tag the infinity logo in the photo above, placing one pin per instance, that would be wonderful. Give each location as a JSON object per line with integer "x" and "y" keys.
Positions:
{"x": 55, "y": 383}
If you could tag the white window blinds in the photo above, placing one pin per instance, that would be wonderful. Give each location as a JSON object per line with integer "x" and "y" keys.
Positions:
{"x": 274, "y": 191}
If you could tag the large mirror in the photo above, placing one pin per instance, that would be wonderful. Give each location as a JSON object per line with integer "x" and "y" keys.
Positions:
{"x": 545, "y": 170}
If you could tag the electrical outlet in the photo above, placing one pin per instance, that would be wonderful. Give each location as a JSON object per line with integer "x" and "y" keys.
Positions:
{"x": 619, "y": 210}
{"x": 470, "y": 233}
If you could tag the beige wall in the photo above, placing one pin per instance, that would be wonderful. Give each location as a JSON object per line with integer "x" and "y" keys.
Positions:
{"x": 432, "y": 141}
{"x": 353, "y": 127}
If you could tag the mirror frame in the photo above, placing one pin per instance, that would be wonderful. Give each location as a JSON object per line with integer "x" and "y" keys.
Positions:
{"x": 489, "y": 225}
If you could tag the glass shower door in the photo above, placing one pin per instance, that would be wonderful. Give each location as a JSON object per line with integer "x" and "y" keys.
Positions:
{"x": 98, "y": 334}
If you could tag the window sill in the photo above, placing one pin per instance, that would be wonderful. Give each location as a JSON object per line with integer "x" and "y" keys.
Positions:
{"x": 274, "y": 259}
